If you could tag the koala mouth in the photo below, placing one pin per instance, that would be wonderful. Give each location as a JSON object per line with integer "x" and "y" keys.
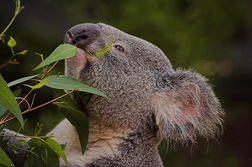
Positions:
{"x": 73, "y": 68}
{"x": 75, "y": 64}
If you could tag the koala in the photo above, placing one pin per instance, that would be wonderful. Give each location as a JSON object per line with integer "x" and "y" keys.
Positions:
{"x": 148, "y": 101}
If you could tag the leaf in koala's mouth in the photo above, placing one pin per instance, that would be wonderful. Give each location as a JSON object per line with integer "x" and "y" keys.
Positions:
{"x": 101, "y": 52}
{"x": 89, "y": 52}
{"x": 104, "y": 50}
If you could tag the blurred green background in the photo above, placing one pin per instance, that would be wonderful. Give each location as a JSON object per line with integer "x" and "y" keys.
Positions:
{"x": 214, "y": 37}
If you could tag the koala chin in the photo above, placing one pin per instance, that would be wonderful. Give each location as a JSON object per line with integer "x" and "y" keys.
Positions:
{"x": 148, "y": 101}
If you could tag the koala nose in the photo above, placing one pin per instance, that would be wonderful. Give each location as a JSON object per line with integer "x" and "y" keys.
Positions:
{"x": 82, "y": 35}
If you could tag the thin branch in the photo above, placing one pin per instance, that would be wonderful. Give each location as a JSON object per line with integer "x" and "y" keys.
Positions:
{"x": 5, "y": 64}
{"x": 49, "y": 70}
{"x": 21, "y": 136}
{"x": 17, "y": 10}
{"x": 25, "y": 96}
{"x": 9, "y": 114}
{"x": 42, "y": 105}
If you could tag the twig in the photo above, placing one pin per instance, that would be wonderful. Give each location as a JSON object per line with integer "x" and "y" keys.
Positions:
{"x": 42, "y": 105}
{"x": 17, "y": 10}
{"x": 49, "y": 70}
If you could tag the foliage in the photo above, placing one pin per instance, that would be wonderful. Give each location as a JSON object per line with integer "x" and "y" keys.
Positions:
{"x": 61, "y": 52}
{"x": 7, "y": 99}
{"x": 100, "y": 53}
{"x": 4, "y": 159}
{"x": 43, "y": 150}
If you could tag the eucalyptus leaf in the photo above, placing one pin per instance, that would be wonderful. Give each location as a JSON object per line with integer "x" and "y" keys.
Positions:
{"x": 66, "y": 100}
{"x": 2, "y": 110}
{"x": 41, "y": 144}
{"x": 23, "y": 52}
{"x": 37, "y": 142}
{"x": 8, "y": 100}
{"x": 39, "y": 85}
{"x": 11, "y": 43}
{"x": 52, "y": 159}
{"x": 104, "y": 50}
{"x": 4, "y": 159}
{"x": 80, "y": 121}
{"x": 63, "y": 51}
{"x": 20, "y": 80}
{"x": 41, "y": 157}
{"x": 35, "y": 157}
{"x": 17, "y": 92}
{"x": 67, "y": 83}
{"x": 56, "y": 148}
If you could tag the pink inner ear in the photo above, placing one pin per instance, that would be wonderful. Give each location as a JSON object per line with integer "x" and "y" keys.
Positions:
{"x": 181, "y": 104}
{"x": 188, "y": 110}
{"x": 190, "y": 96}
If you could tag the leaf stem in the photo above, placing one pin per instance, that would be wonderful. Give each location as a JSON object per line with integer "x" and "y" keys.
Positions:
{"x": 25, "y": 96}
{"x": 44, "y": 75}
{"x": 21, "y": 136}
{"x": 5, "y": 64}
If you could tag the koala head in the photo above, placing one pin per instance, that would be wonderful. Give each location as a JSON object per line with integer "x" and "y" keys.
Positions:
{"x": 146, "y": 96}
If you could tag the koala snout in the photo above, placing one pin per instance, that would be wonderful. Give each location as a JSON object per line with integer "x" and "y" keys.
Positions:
{"x": 82, "y": 35}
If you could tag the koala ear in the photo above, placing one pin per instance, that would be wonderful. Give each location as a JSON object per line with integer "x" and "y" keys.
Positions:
{"x": 185, "y": 106}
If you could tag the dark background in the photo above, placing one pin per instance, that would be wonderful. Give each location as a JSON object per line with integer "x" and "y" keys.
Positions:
{"x": 214, "y": 37}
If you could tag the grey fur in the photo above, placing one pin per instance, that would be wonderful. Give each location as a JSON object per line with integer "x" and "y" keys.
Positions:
{"x": 146, "y": 96}
{"x": 147, "y": 101}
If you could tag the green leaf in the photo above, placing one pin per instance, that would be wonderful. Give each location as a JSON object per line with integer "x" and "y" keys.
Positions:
{"x": 4, "y": 159}
{"x": 36, "y": 142}
{"x": 21, "y": 142}
{"x": 80, "y": 121}
{"x": 41, "y": 157}
{"x": 67, "y": 83}
{"x": 2, "y": 110}
{"x": 17, "y": 92}
{"x": 8, "y": 100}
{"x": 66, "y": 100}
{"x": 63, "y": 51}
{"x": 11, "y": 43}
{"x": 20, "y": 80}
{"x": 39, "y": 85}
{"x": 22, "y": 53}
{"x": 36, "y": 157}
{"x": 56, "y": 148}
{"x": 104, "y": 50}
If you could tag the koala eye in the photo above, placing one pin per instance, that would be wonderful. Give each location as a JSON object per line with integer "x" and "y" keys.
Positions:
{"x": 119, "y": 47}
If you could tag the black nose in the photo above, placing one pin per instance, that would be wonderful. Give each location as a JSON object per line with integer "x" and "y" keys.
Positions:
{"x": 82, "y": 35}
